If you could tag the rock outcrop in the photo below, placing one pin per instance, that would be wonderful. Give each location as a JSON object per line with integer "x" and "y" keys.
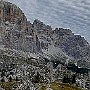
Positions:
{"x": 13, "y": 14}
{"x": 15, "y": 31}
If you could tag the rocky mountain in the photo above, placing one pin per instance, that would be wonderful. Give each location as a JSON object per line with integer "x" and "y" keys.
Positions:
{"x": 19, "y": 34}
{"x": 35, "y": 53}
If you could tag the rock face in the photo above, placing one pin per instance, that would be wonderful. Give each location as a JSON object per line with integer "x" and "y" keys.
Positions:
{"x": 19, "y": 34}
{"x": 72, "y": 45}
{"x": 12, "y": 13}
{"x": 15, "y": 31}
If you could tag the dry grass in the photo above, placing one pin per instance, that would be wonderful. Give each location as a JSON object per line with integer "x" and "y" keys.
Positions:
{"x": 61, "y": 86}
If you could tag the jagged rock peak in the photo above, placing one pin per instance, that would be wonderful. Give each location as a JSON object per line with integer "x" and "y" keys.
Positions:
{"x": 40, "y": 25}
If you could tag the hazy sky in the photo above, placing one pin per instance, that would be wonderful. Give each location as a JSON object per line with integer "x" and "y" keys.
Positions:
{"x": 73, "y": 14}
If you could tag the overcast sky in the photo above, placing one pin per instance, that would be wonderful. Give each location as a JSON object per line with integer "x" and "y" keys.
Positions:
{"x": 73, "y": 14}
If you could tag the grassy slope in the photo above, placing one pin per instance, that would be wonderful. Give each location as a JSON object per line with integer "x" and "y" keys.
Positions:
{"x": 61, "y": 86}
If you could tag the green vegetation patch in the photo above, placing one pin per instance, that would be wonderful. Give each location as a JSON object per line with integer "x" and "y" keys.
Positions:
{"x": 63, "y": 86}
{"x": 7, "y": 85}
